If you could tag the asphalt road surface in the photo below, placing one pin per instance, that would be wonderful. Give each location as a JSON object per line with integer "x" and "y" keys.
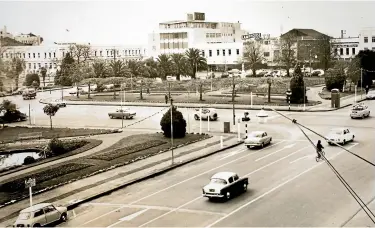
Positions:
{"x": 287, "y": 186}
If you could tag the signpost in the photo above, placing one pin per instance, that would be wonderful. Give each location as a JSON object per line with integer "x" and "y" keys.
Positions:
{"x": 29, "y": 184}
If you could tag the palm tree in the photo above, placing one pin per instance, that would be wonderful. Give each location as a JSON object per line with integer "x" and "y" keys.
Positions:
{"x": 100, "y": 69}
{"x": 152, "y": 67}
{"x": 196, "y": 61}
{"x": 164, "y": 64}
{"x": 135, "y": 67}
{"x": 179, "y": 63}
{"x": 43, "y": 71}
{"x": 119, "y": 71}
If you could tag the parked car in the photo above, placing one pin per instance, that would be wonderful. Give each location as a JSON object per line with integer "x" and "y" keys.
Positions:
{"x": 360, "y": 111}
{"x": 58, "y": 103}
{"x": 40, "y": 215}
{"x": 340, "y": 136}
{"x": 370, "y": 95}
{"x": 29, "y": 93}
{"x": 206, "y": 113}
{"x": 317, "y": 73}
{"x": 74, "y": 92}
{"x": 225, "y": 185}
{"x": 257, "y": 139}
{"x": 124, "y": 113}
{"x": 12, "y": 116}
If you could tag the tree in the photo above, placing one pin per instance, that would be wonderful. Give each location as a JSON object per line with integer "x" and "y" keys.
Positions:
{"x": 100, "y": 69}
{"x": 35, "y": 84}
{"x": 50, "y": 110}
{"x": 287, "y": 55}
{"x": 6, "y": 106}
{"x": 118, "y": 69}
{"x": 195, "y": 60}
{"x": 116, "y": 81}
{"x": 354, "y": 72}
{"x": 252, "y": 55}
{"x": 179, "y": 64}
{"x": 136, "y": 68}
{"x": 325, "y": 52}
{"x": 152, "y": 67}
{"x": 179, "y": 124}
{"x": 335, "y": 78}
{"x": 367, "y": 59}
{"x": 88, "y": 75}
{"x": 30, "y": 78}
{"x": 80, "y": 52}
{"x": 165, "y": 65}
{"x": 297, "y": 87}
{"x": 63, "y": 76}
{"x": 43, "y": 71}
{"x": 15, "y": 68}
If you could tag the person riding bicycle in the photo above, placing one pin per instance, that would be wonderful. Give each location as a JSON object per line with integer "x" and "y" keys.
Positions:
{"x": 319, "y": 148}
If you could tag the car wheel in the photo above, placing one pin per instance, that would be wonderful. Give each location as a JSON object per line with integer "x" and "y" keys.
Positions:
{"x": 248, "y": 147}
{"x": 196, "y": 117}
{"x": 111, "y": 117}
{"x": 363, "y": 116}
{"x": 352, "y": 117}
{"x": 262, "y": 145}
{"x": 37, "y": 225}
{"x": 353, "y": 138}
{"x": 63, "y": 217}
{"x": 227, "y": 195}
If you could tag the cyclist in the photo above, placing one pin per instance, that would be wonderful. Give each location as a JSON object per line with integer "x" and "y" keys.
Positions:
{"x": 319, "y": 148}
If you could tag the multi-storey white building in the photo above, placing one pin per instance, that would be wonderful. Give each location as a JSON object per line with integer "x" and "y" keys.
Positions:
{"x": 4, "y": 33}
{"x": 367, "y": 39}
{"x": 50, "y": 56}
{"x": 220, "y": 41}
{"x": 29, "y": 39}
{"x": 345, "y": 48}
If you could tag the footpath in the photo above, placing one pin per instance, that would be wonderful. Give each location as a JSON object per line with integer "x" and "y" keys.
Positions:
{"x": 75, "y": 193}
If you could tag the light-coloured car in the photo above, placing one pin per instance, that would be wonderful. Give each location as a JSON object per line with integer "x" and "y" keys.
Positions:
{"x": 58, "y": 103}
{"x": 340, "y": 136}
{"x": 360, "y": 111}
{"x": 370, "y": 95}
{"x": 225, "y": 184}
{"x": 74, "y": 92}
{"x": 205, "y": 114}
{"x": 257, "y": 139}
{"x": 124, "y": 113}
{"x": 40, "y": 215}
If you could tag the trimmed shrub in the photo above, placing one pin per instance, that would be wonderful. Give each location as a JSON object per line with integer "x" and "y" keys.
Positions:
{"x": 179, "y": 124}
{"x": 57, "y": 147}
{"x": 297, "y": 87}
{"x": 28, "y": 160}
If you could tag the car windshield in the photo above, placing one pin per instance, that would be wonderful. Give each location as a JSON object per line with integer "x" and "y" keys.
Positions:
{"x": 24, "y": 216}
{"x": 256, "y": 135}
{"x": 336, "y": 132}
{"x": 218, "y": 181}
{"x": 358, "y": 108}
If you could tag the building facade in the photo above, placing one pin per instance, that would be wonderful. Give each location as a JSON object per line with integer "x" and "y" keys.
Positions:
{"x": 4, "y": 33}
{"x": 345, "y": 48}
{"x": 367, "y": 39}
{"x": 29, "y": 39}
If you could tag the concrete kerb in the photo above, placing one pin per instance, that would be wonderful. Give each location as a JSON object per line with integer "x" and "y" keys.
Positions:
{"x": 147, "y": 176}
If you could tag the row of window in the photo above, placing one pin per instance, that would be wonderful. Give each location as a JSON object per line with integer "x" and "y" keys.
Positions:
{"x": 223, "y": 52}
{"x": 39, "y": 65}
{"x": 125, "y": 52}
{"x": 176, "y": 35}
{"x": 365, "y": 39}
{"x": 189, "y": 25}
{"x": 29, "y": 55}
{"x": 347, "y": 51}
{"x": 373, "y": 49}
{"x": 179, "y": 45}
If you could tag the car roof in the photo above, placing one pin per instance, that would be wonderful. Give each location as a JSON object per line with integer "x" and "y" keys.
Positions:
{"x": 223, "y": 175}
{"x": 36, "y": 207}
{"x": 257, "y": 132}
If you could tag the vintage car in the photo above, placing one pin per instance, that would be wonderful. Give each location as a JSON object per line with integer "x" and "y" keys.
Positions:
{"x": 206, "y": 113}
{"x": 29, "y": 94}
{"x": 40, "y": 215}
{"x": 360, "y": 111}
{"x": 124, "y": 113}
{"x": 58, "y": 103}
{"x": 340, "y": 136}
{"x": 225, "y": 185}
{"x": 370, "y": 95}
{"x": 257, "y": 139}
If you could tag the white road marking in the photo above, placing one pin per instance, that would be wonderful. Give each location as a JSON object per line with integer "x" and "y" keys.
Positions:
{"x": 232, "y": 153}
{"x": 285, "y": 147}
{"x": 307, "y": 156}
{"x": 181, "y": 182}
{"x": 128, "y": 218}
{"x": 273, "y": 189}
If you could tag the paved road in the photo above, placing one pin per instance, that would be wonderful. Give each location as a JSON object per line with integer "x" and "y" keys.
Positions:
{"x": 287, "y": 186}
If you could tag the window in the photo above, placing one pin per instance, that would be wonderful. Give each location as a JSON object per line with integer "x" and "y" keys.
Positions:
{"x": 217, "y": 52}
{"x": 203, "y": 53}
{"x": 347, "y": 51}
{"x": 366, "y": 49}
{"x": 54, "y": 55}
{"x": 95, "y": 53}
{"x": 34, "y": 55}
{"x": 236, "y": 177}
{"x": 49, "y": 55}
{"x": 50, "y": 65}
{"x": 34, "y": 65}
{"x": 39, "y": 65}
{"x": 24, "y": 55}
{"x": 55, "y": 65}
{"x": 223, "y": 52}
{"x": 38, "y": 213}
{"x": 341, "y": 51}
{"x": 29, "y": 55}
{"x": 107, "y": 53}
{"x": 373, "y": 48}
{"x": 230, "y": 180}
{"x": 29, "y": 65}
{"x": 266, "y": 42}
{"x": 229, "y": 52}
{"x": 266, "y": 54}
{"x": 373, "y": 39}
{"x": 49, "y": 209}
{"x": 353, "y": 51}
{"x": 46, "y": 65}
{"x": 365, "y": 39}
{"x": 101, "y": 53}
{"x": 210, "y": 53}
{"x": 238, "y": 51}
{"x": 6, "y": 55}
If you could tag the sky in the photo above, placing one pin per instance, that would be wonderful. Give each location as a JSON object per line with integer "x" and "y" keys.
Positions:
{"x": 130, "y": 22}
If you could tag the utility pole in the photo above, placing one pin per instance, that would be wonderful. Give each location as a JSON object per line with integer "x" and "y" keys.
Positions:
{"x": 172, "y": 130}
{"x": 361, "y": 82}
{"x": 234, "y": 113}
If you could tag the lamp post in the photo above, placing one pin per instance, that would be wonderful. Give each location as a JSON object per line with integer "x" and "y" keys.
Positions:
{"x": 233, "y": 91}
{"x": 288, "y": 95}
{"x": 172, "y": 130}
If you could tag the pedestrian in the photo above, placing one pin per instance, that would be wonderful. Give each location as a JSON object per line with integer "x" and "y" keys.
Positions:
{"x": 367, "y": 89}
{"x": 166, "y": 99}
{"x": 148, "y": 90}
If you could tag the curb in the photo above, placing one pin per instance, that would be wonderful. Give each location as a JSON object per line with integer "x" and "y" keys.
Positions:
{"x": 147, "y": 176}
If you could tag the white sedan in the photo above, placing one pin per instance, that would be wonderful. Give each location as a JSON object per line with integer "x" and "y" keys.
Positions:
{"x": 58, "y": 103}
{"x": 257, "y": 138}
{"x": 370, "y": 95}
{"x": 340, "y": 136}
{"x": 360, "y": 111}
{"x": 206, "y": 113}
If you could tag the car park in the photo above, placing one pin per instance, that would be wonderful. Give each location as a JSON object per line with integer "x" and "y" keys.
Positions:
{"x": 370, "y": 95}
{"x": 58, "y": 103}
{"x": 207, "y": 113}
{"x": 41, "y": 215}
{"x": 340, "y": 136}
{"x": 257, "y": 139}
{"x": 124, "y": 113}
{"x": 225, "y": 185}
{"x": 360, "y": 111}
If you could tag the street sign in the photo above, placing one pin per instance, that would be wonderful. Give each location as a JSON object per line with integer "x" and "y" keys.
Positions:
{"x": 30, "y": 183}
{"x": 256, "y": 36}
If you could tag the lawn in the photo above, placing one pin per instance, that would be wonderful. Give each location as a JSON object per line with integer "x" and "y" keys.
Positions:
{"x": 10, "y": 134}
{"x": 125, "y": 151}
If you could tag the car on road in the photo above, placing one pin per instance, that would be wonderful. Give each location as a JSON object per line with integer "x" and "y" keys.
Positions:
{"x": 257, "y": 139}
{"x": 11, "y": 116}
{"x": 360, "y": 111}
{"x": 58, "y": 103}
{"x": 340, "y": 136}
{"x": 74, "y": 92}
{"x": 225, "y": 185}
{"x": 29, "y": 93}
{"x": 40, "y": 215}
{"x": 124, "y": 113}
{"x": 370, "y": 95}
{"x": 207, "y": 113}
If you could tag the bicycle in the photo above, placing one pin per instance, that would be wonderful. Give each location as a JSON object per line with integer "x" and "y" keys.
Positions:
{"x": 322, "y": 153}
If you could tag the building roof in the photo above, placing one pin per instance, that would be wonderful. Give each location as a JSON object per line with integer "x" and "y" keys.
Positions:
{"x": 305, "y": 32}
{"x": 186, "y": 21}
{"x": 36, "y": 207}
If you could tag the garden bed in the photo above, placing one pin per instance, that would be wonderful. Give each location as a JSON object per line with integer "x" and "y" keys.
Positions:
{"x": 125, "y": 151}
{"x": 11, "y": 134}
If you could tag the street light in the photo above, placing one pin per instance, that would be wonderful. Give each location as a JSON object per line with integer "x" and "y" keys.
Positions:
{"x": 172, "y": 129}
{"x": 288, "y": 95}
